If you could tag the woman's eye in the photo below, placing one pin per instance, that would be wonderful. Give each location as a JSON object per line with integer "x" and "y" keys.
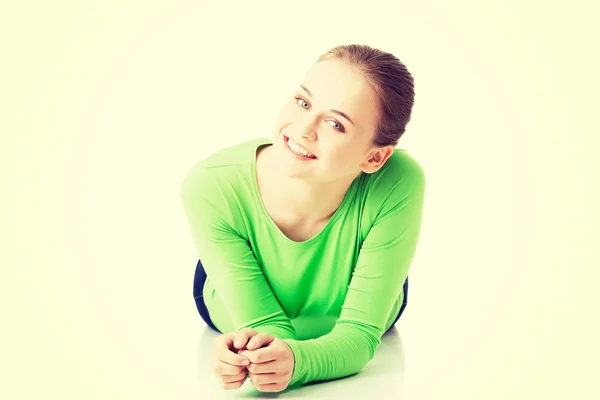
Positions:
{"x": 338, "y": 128}
{"x": 301, "y": 99}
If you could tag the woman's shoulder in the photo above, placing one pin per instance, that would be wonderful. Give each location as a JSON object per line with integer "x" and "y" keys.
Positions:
{"x": 234, "y": 155}
{"x": 224, "y": 177}
{"x": 400, "y": 182}
{"x": 227, "y": 165}
{"x": 401, "y": 172}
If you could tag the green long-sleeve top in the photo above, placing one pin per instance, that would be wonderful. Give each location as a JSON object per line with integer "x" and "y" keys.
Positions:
{"x": 330, "y": 298}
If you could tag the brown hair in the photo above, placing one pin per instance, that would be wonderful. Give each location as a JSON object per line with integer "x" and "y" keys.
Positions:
{"x": 390, "y": 80}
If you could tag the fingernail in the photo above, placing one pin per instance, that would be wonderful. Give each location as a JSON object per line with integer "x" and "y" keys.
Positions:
{"x": 238, "y": 343}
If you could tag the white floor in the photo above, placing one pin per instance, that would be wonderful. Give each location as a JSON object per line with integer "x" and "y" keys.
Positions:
{"x": 129, "y": 329}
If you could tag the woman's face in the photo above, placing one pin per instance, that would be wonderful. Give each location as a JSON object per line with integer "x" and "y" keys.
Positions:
{"x": 340, "y": 141}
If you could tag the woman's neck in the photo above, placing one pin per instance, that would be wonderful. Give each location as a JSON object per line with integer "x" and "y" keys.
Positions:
{"x": 304, "y": 202}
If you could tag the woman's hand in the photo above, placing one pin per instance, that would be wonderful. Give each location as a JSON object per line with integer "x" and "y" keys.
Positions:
{"x": 229, "y": 367}
{"x": 271, "y": 362}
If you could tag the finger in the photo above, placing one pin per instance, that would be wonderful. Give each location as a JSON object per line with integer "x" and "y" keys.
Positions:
{"x": 262, "y": 339}
{"x": 229, "y": 357}
{"x": 223, "y": 368}
{"x": 234, "y": 378}
{"x": 233, "y": 385}
{"x": 224, "y": 341}
{"x": 280, "y": 383}
{"x": 260, "y": 355}
{"x": 241, "y": 337}
{"x": 240, "y": 340}
{"x": 271, "y": 387}
{"x": 268, "y": 367}
{"x": 264, "y": 379}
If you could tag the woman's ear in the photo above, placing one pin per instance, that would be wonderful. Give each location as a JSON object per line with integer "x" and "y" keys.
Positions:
{"x": 378, "y": 159}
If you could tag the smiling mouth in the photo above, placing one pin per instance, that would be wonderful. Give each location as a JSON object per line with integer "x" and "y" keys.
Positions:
{"x": 286, "y": 140}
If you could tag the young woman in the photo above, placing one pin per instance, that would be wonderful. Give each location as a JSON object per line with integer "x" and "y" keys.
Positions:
{"x": 305, "y": 238}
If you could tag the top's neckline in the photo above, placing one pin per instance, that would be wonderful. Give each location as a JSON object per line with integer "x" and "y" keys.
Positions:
{"x": 323, "y": 231}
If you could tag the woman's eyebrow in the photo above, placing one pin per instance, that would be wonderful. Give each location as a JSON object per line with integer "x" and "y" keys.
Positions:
{"x": 332, "y": 110}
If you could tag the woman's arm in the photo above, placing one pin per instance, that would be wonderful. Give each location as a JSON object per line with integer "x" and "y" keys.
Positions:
{"x": 229, "y": 260}
{"x": 382, "y": 268}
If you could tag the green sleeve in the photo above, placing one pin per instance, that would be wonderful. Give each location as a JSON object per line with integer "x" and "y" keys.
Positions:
{"x": 382, "y": 267}
{"x": 228, "y": 258}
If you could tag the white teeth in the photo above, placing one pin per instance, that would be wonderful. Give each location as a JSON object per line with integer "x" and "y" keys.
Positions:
{"x": 299, "y": 149}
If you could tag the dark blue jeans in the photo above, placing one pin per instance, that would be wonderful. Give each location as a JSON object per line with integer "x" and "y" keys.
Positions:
{"x": 200, "y": 278}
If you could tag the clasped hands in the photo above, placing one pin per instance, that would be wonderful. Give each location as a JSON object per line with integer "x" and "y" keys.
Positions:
{"x": 265, "y": 359}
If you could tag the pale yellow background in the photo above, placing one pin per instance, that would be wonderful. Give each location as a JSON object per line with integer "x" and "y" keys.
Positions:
{"x": 106, "y": 105}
